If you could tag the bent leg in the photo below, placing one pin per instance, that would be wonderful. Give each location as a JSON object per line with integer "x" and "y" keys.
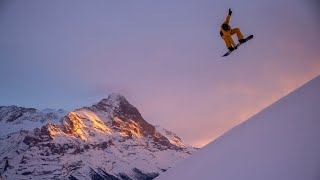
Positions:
{"x": 229, "y": 41}
{"x": 238, "y": 32}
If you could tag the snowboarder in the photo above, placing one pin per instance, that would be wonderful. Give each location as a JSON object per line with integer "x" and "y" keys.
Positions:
{"x": 226, "y": 32}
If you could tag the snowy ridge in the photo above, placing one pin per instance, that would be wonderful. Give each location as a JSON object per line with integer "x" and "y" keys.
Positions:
{"x": 172, "y": 137}
{"x": 281, "y": 143}
{"x": 109, "y": 140}
{"x": 14, "y": 119}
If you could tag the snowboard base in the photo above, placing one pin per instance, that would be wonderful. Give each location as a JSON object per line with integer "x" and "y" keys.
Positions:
{"x": 239, "y": 44}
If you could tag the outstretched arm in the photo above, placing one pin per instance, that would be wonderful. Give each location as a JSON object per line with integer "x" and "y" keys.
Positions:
{"x": 228, "y": 17}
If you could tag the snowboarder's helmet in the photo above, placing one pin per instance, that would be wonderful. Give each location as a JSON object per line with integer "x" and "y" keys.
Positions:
{"x": 225, "y": 27}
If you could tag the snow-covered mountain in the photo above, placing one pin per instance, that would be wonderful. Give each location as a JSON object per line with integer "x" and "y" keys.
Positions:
{"x": 14, "y": 119}
{"x": 282, "y": 142}
{"x": 109, "y": 140}
{"x": 172, "y": 137}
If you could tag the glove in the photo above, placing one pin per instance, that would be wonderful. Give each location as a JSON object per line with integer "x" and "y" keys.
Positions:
{"x": 230, "y": 12}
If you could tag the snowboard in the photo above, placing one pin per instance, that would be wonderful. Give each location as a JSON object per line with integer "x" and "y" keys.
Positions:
{"x": 239, "y": 44}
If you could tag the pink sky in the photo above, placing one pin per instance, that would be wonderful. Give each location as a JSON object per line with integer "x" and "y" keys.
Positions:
{"x": 164, "y": 56}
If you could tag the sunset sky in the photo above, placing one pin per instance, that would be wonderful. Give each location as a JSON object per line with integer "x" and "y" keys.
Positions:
{"x": 164, "y": 56}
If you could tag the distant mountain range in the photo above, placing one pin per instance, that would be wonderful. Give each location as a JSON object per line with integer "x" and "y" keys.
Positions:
{"x": 109, "y": 140}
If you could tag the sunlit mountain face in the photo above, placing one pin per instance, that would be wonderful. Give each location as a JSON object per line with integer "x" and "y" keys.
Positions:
{"x": 109, "y": 140}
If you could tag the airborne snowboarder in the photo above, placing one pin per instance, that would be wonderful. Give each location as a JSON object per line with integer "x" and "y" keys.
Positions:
{"x": 226, "y": 33}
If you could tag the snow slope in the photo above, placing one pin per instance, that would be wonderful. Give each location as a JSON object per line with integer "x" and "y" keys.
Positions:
{"x": 282, "y": 142}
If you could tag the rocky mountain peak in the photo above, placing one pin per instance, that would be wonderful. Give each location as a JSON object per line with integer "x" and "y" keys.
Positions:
{"x": 123, "y": 117}
{"x": 114, "y": 100}
{"x": 12, "y": 113}
{"x": 109, "y": 140}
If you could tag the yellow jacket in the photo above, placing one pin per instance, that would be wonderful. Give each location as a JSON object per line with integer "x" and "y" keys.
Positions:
{"x": 226, "y": 33}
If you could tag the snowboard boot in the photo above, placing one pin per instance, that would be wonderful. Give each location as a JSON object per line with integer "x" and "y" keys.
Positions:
{"x": 242, "y": 40}
{"x": 230, "y": 48}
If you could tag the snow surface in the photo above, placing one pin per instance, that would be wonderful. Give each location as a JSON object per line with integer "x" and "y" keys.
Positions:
{"x": 282, "y": 142}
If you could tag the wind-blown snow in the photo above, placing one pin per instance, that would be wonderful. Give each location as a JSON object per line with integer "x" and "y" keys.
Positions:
{"x": 282, "y": 142}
